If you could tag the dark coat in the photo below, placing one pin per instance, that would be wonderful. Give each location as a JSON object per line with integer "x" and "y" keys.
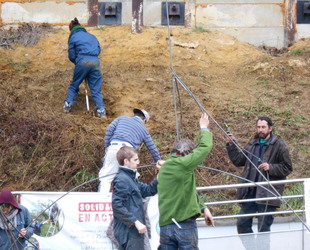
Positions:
{"x": 276, "y": 155}
{"x": 127, "y": 202}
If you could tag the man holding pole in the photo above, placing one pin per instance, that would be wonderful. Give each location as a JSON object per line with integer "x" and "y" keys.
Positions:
{"x": 178, "y": 202}
{"x": 265, "y": 157}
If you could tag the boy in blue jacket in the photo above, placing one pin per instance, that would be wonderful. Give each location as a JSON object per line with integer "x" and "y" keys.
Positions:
{"x": 83, "y": 51}
{"x": 127, "y": 204}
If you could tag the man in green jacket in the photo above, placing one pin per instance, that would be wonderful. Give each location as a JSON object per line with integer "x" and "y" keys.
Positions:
{"x": 177, "y": 196}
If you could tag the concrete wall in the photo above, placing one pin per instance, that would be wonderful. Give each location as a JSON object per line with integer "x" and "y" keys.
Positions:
{"x": 152, "y": 13}
{"x": 258, "y": 22}
{"x": 303, "y": 31}
{"x": 58, "y": 12}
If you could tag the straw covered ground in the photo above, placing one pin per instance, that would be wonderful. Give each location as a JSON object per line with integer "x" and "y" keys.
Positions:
{"x": 43, "y": 148}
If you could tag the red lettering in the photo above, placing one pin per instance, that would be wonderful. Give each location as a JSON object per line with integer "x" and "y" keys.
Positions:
{"x": 95, "y": 207}
{"x": 97, "y": 218}
{"x": 84, "y": 217}
{"x": 104, "y": 217}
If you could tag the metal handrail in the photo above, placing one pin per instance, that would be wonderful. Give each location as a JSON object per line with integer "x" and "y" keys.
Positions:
{"x": 256, "y": 199}
{"x": 240, "y": 185}
{"x": 301, "y": 211}
{"x": 254, "y": 214}
{"x": 264, "y": 183}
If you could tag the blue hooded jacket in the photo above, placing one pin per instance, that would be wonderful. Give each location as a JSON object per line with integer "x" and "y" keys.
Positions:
{"x": 82, "y": 44}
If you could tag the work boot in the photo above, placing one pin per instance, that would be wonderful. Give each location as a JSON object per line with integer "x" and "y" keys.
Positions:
{"x": 67, "y": 107}
{"x": 101, "y": 113}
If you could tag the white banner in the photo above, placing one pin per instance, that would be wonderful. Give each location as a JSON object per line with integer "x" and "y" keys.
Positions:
{"x": 79, "y": 220}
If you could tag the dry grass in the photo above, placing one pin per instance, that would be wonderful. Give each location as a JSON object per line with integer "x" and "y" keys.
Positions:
{"x": 44, "y": 149}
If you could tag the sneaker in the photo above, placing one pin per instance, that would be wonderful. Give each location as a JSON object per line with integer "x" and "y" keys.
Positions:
{"x": 67, "y": 107}
{"x": 101, "y": 113}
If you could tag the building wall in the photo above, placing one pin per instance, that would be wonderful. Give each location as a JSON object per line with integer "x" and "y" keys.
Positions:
{"x": 55, "y": 12}
{"x": 258, "y": 22}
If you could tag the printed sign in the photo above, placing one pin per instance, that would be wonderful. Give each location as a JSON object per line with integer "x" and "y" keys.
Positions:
{"x": 77, "y": 220}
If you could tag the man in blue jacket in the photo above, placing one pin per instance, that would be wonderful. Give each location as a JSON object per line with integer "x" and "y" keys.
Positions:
{"x": 83, "y": 51}
{"x": 128, "y": 212}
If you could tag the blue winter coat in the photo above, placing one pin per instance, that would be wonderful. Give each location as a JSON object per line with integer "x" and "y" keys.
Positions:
{"x": 81, "y": 44}
{"x": 23, "y": 221}
{"x": 127, "y": 202}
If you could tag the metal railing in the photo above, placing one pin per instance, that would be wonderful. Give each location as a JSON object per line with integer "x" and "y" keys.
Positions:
{"x": 299, "y": 213}
{"x": 242, "y": 185}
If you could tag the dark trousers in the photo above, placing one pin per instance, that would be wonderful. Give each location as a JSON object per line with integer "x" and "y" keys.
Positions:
{"x": 89, "y": 69}
{"x": 135, "y": 241}
{"x": 185, "y": 238}
{"x": 244, "y": 226}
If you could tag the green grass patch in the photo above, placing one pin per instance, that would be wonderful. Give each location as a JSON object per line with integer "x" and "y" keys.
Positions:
{"x": 83, "y": 176}
{"x": 200, "y": 30}
{"x": 296, "y": 203}
{"x": 100, "y": 28}
{"x": 302, "y": 83}
{"x": 300, "y": 52}
{"x": 223, "y": 209}
{"x": 296, "y": 52}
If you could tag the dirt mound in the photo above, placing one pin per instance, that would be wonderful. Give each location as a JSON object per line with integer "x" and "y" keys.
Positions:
{"x": 45, "y": 149}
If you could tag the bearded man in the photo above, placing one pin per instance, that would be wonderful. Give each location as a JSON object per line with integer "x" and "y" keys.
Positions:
{"x": 265, "y": 155}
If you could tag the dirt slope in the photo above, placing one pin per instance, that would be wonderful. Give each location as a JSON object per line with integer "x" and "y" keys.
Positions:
{"x": 45, "y": 149}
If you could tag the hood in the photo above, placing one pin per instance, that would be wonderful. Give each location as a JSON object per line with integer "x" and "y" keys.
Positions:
{"x": 7, "y": 197}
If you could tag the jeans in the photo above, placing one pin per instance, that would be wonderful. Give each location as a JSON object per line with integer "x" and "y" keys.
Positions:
{"x": 174, "y": 238}
{"x": 87, "y": 68}
{"x": 244, "y": 226}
